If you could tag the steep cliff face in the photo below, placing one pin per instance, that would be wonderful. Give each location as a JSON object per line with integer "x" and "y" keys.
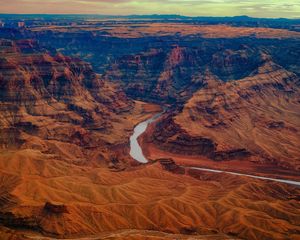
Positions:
{"x": 173, "y": 74}
{"x": 49, "y": 102}
{"x": 103, "y": 44}
{"x": 256, "y": 118}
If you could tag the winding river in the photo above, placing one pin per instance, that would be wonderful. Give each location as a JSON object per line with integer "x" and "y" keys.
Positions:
{"x": 136, "y": 152}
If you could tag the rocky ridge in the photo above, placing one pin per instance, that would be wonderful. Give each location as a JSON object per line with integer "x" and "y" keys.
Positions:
{"x": 54, "y": 104}
{"x": 256, "y": 116}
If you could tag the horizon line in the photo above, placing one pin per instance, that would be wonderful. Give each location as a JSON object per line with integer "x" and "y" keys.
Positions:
{"x": 145, "y": 15}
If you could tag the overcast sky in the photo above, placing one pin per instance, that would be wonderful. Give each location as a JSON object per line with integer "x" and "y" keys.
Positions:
{"x": 255, "y": 8}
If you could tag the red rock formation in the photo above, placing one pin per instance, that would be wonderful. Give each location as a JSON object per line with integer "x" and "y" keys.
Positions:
{"x": 171, "y": 166}
{"x": 51, "y": 208}
{"x": 49, "y": 102}
{"x": 255, "y": 117}
{"x": 174, "y": 73}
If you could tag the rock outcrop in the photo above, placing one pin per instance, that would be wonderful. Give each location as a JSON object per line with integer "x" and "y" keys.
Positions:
{"x": 170, "y": 137}
{"x": 174, "y": 73}
{"x": 169, "y": 164}
{"x": 54, "y": 102}
{"x": 253, "y": 118}
{"x": 51, "y": 208}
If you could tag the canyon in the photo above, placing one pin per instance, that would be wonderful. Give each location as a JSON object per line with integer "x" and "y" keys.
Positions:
{"x": 193, "y": 102}
{"x": 248, "y": 113}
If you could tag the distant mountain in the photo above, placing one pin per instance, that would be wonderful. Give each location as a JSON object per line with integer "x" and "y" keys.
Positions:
{"x": 151, "y": 16}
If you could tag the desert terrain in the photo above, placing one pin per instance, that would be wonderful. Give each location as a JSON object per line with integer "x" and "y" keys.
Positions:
{"x": 71, "y": 96}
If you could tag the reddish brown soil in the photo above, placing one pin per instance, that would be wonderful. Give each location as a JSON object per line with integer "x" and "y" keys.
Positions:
{"x": 97, "y": 200}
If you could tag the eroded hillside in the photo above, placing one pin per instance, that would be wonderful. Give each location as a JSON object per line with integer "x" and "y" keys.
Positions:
{"x": 232, "y": 97}
{"x": 252, "y": 123}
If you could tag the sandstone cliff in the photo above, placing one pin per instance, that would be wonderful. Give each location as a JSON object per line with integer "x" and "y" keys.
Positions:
{"x": 55, "y": 104}
{"x": 254, "y": 118}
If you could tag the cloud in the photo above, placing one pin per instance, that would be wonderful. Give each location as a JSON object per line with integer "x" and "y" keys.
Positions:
{"x": 257, "y": 8}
